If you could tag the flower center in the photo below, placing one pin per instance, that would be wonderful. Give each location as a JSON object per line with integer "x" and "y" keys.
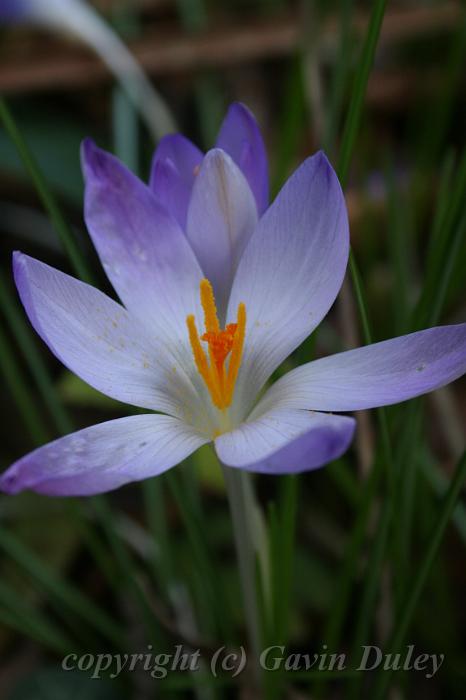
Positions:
{"x": 221, "y": 343}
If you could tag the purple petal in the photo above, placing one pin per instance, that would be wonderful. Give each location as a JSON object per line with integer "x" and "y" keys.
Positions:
{"x": 13, "y": 10}
{"x": 143, "y": 250}
{"x": 286, "y": 442}
{"x": 375, "y": 375}
{"x": 290, "y": 272}
{"x": 241, "y": 138}
{"x": 98, "y": 340}
{"x": 103, "y": 457}
{"x": 222, "y": 216}
{"x": 174, "y": 167}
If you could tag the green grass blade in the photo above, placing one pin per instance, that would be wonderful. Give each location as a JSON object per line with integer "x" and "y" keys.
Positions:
{"x": 193, "y": 15}
{"x": 67, "y": 594}
{"x": 25, "y": 342}
{"x": 346, "y": 151}
{"x": 125, "y": 130}
{"x": 290, "y": 124}
{"x": 443, "y": 107}
{"x": 449, "y": 264}
{"x": 453, "y": 236}
{"x": 282, "y": 530}
{"x": 407, "y": 472}
{"x": 406, "y": 469}
{"x": 341, "y": 474}
{"x": 97, "y": 546}
{"x": 360, "y": 298}
{"x": 31, "y": 622}
{"x": 339, "y": 79}
{"x": 36, "y": 630}
{"x": 335, "y": 620}
{"x": 439, "y": 484}
{"x": 417, "y": 585}
{"x": 282, "y": 547}
{"x": 442, "y": 209}
{"x": 20, "y": 391}
{"x": 364, "y": 617}
{"x": 381, "y": 412}
{"x": 359, "y": 89}
{"x": 127, "y": 569}
{"x": 196, "y": 536}
{"x": 161, "y": 559}
{"x": 399, "y": 249}
{"x": 449, "y": 210}
{"x": 48, "y": 200}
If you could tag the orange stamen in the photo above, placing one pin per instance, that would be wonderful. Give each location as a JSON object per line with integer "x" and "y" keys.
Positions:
{"x": 208, "y": 306}
{"x": 221, "y": 342}
{"x": 201, "y": 362}
{"x": 236, "y": 354}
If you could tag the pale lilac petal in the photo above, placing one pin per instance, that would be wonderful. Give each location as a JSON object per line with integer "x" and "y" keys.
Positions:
{"x": 222, "y": 216}
{"x": 99, "y": 341}
{"x": 174, "y": 167}
{"x": 241, "y": 138}
{"x": 290, "y": 273}
{"x": 104, "y": 457}
{"x": 375, "y": 375}
{"x": 286, "y": 441}
{"x": 143, "y": 250}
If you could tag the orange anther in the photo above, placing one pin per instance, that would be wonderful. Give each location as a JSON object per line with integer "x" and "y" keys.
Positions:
{"x": 219, "y": 380}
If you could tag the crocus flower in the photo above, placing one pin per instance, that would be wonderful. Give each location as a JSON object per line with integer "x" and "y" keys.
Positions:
{"x": 82, "y": 20}
{"x": 218, "y": 288}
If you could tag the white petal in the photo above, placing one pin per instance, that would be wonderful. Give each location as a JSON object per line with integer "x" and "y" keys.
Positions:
{"x": 290, "y": 273}
{"x": 222, "y": 216}
{"x": 285, "y": 441}
{"x": 101, "y": 342}
{"x": 375, "y": 375}
{"x": 104, "y": 457}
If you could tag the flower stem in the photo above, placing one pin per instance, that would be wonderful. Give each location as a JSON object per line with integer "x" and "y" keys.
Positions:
{"x": 245, "y": 518}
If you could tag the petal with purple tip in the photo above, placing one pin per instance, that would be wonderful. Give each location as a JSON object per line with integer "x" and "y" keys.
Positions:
{"x": 174, "y": 167}
{"x": 375, "y": 375}
{"x": 98, "y": 340}
{"x": 143, "y": 249}
{"x": 241, "y": 138}
{"x": 103, "y": 457}
{"x": 290, "y": 272}
{"x": 222, "y": 216}
{"x": 286, "y": 441}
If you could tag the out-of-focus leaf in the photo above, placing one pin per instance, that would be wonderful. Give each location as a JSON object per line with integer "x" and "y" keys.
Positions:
{"x": 53, "y": 683}
{"x": 75, "y": 392}
{"x": 206, "y": 465}
{"x": 54, "y": 141}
